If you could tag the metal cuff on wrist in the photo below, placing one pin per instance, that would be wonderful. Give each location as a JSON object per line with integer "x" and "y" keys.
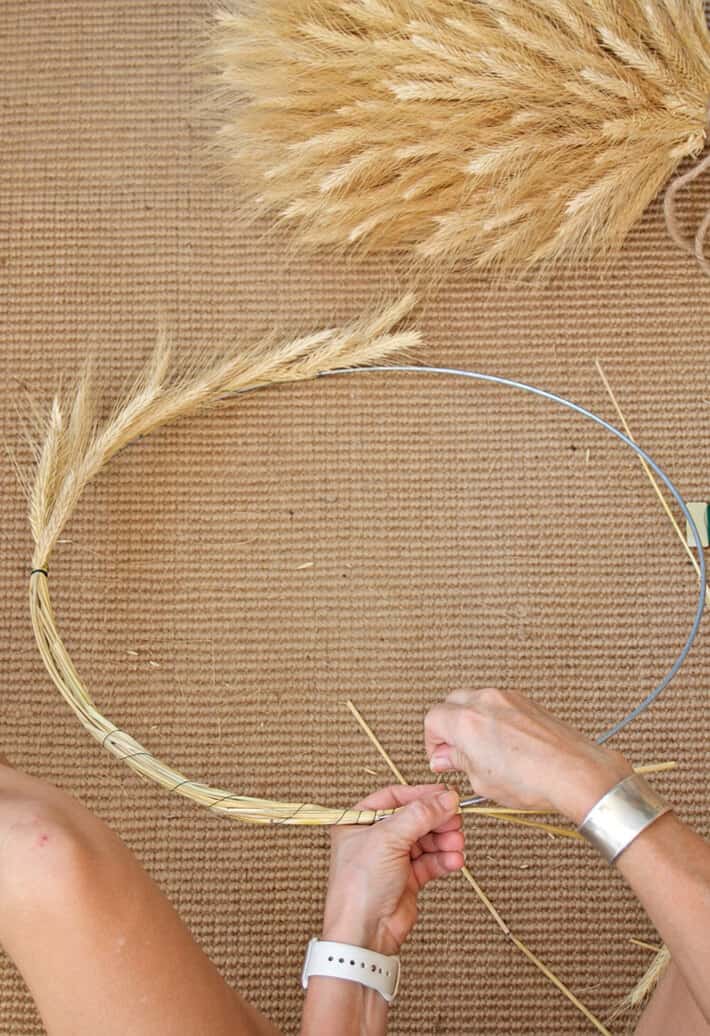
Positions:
{"x": 621, "y": 815}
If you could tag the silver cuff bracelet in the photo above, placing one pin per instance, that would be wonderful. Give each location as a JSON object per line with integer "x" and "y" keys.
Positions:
{"x": 621, "y": 815}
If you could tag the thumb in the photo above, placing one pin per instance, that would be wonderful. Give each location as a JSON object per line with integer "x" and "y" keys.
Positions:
{"x": 442, "y": 735}
{"x": 446, "y": 757}
{"x": 420, "y": 817}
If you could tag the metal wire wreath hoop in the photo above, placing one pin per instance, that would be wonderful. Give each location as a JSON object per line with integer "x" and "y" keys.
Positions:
{"x": 673, "y": 490}
{"x": 239, "y": 807}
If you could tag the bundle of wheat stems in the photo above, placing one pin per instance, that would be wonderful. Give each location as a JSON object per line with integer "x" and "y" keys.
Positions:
{"x": 72, "y": 446}
{"x": 504, "y": 133}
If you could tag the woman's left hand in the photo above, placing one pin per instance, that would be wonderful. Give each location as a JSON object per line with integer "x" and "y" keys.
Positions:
{"x": 376, "y": 872}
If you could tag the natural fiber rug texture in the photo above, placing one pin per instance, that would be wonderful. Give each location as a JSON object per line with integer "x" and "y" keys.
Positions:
{"x": 228, "y": 582}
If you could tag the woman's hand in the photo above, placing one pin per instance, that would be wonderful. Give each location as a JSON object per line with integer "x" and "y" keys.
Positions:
{"x": 377, "y": 872}
{"x": 518, "y": 754}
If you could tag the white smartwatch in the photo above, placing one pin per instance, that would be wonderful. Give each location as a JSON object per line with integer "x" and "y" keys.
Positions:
{"x": 339, "y": 960}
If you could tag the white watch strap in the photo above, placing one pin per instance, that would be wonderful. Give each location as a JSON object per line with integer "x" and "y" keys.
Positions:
{"x": 340, "y": 960}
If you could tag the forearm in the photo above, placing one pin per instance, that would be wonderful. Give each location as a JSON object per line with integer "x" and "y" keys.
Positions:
{"x": 668, "y": 867}
{"x": 339, "y": 1005}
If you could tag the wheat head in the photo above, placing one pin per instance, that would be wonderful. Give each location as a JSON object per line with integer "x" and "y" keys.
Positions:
{"x": 645, "y": 986}
{"x": 501, "y": 133}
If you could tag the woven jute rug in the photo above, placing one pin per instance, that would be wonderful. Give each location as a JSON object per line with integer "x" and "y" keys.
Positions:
{"x": 382, "y": 538}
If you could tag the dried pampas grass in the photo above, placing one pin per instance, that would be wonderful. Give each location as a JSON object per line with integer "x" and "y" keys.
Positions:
{"x": 502, "y": 133}
{"x": 71, "y": 448}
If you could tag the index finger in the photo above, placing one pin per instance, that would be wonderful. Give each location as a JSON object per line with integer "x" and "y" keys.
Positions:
{"x": 397, "y": 795}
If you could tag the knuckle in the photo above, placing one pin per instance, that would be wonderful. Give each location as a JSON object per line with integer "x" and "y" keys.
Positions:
{"x": 431, "y": 717}
{"x": 461, "y": 696}
{"x": 419, "y": 811}
{"x": 492, "y": 698}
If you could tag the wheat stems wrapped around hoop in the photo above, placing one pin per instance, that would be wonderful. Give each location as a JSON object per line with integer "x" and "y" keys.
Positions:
{"x": 73, "y": 446}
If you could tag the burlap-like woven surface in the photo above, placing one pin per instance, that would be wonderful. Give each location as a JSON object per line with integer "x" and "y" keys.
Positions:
{"x": 459, "y": 535}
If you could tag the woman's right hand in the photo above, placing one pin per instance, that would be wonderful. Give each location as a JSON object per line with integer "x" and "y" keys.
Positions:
{"x": 518, "y": 754}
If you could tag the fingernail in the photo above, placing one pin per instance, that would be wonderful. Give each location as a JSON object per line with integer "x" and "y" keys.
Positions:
{"x": 448, "y": 800}
{"x": 440, "y": 763}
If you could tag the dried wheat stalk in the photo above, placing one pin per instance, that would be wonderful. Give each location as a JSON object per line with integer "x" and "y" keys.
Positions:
{"x": 504, "y": 133}
{"x": 73, "y": 446}
{"x": 646, "y": 985}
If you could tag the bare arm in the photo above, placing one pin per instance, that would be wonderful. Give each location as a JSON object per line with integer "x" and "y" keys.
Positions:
{"x": 376, "y": 875}
{"x": 518, "y": 754}
{"x": 347, "y": 1007}
{"x": 668, "y": 867}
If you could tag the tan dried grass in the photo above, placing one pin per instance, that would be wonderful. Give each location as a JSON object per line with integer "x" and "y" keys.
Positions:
{"x": 505, "y": 133}
{"x": 72, "y": 446}
{"x": 636, "y": 1000}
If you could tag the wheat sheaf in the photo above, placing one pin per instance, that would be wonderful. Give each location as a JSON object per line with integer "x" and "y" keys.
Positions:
{"x": 498, "y": 133}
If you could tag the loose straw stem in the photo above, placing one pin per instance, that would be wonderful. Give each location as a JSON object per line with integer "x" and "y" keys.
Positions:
{"x": 645, "y": 945}
{"x": 550, "y": 829}
{"x": 468, "y": 876}
{"x": 518, "y": 816}
{"x": 656, "y": 767}
{"x": 375, "y": 742}
{"x": 652, "y": 479}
